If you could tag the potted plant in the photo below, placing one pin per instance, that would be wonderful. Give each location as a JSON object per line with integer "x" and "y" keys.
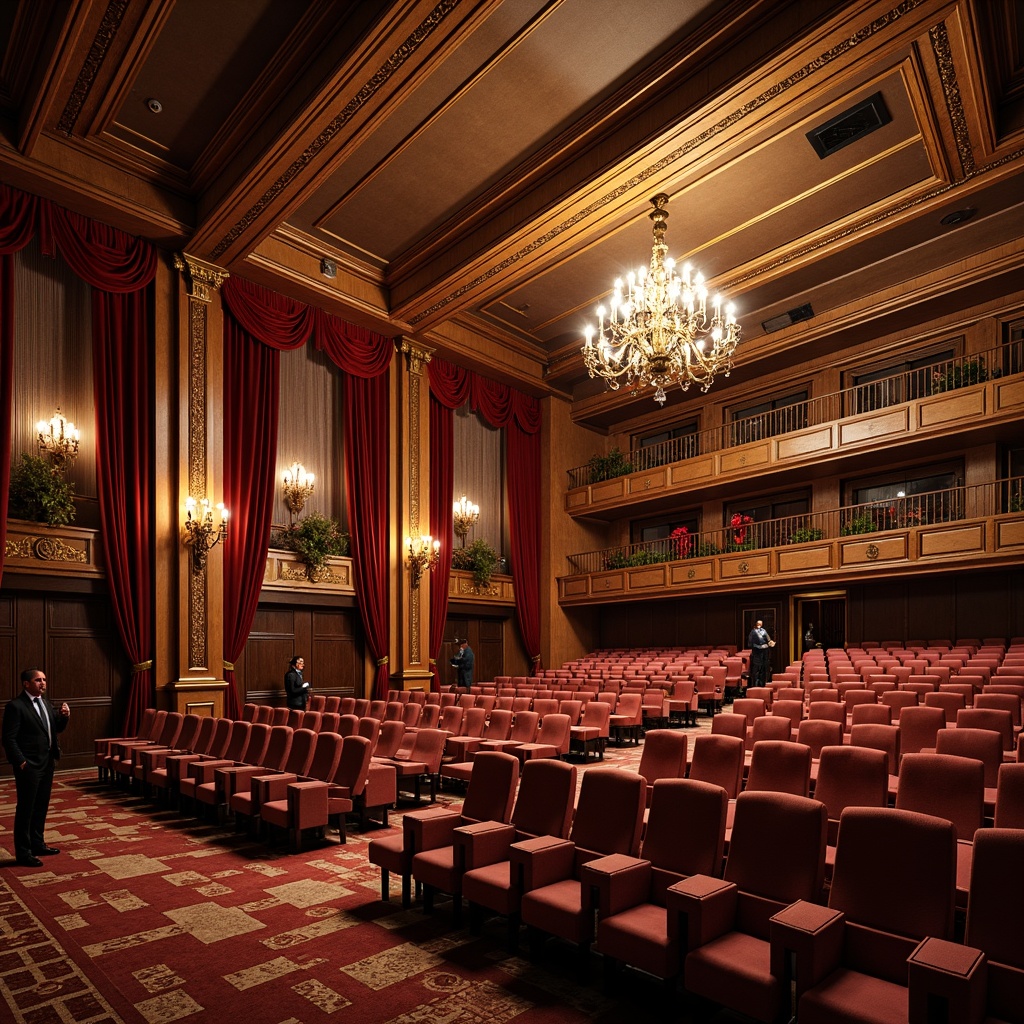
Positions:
{"x": 805, "y": 534}
{"x": 962, "y": 375}
{"x": 862, "y": 523}
{"x": 315, "y": 538}
{"x": 607, "y": 467}
{"x": 480, "y": 559}
{"x": 40, "y": 493}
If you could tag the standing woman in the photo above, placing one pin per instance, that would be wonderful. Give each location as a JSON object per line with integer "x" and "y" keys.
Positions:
{"x": 296, "y": 688}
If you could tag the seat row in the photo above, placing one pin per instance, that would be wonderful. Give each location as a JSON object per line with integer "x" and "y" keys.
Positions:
{"x": 747, "y": 927}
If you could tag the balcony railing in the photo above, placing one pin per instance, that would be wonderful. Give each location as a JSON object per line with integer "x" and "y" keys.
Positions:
{"x": 954, "y": 503}
{"x": 948, "y": 375}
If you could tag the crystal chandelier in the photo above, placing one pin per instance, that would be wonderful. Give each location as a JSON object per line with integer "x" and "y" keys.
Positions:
{"x": 657, "y": 331}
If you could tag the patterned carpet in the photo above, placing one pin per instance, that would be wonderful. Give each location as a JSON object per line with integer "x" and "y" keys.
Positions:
{"x": 148, "y": 916}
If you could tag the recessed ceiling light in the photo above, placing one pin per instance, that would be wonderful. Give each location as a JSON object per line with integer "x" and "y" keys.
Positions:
{"x": 958, "y": 217}
{"x": 154, "y": 105}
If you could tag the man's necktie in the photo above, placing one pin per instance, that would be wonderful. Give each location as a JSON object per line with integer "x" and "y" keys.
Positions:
{"x": 41, "y": 712}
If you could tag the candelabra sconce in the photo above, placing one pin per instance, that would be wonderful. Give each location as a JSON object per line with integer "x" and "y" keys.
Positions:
{"x": 58, "y": 438}
{"x": 422, "y": 554}
{"x": 297, "y": 487}
{"x": 464, "y": 516}
{"x": 200, "y": 532}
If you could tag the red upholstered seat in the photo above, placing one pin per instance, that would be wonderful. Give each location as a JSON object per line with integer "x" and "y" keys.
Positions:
{"x": 685, "y": 836}
{"x": 552, "y": 739}
{"x": 718, "y": 760}
{"x": 608, "y": 820}
{"x": 1009, "y": 808}
{"x": 776, "y": 856}
{"x": 663, "y": 757}
{"x": 438, "y": 863}
{"x": 853, "y": 967}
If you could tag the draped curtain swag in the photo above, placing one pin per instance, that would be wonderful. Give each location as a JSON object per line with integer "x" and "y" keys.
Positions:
{"x": 519, "y": 414}
{"x": 257, "y": 315}
{"x": 119, "y": 268}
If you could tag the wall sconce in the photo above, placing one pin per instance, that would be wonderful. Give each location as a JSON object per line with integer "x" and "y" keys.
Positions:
{"x": 421, "y": 554}
{"x": 58, "y": 438}
{"x": 200, "y": 533}
{"x": 464, "y": 515}
{"x": 297, "y": 487}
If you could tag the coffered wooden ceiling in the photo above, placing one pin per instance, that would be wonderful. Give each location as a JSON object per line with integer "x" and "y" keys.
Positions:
{"x": 480, "y": 170}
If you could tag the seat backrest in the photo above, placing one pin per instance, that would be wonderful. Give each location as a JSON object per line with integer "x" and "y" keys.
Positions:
{"x": 1010, "y": 796}
{"x": 572, "y": 708}
{"x": 278, "y": 747}
{"x": 170, "y": 729}
{"x": 332, "y": 705}
{"x": 347, "y": 706}
{"x": 330, "y": 721}
{"x": 819, "y": 694}
{"x": 728, "y": 724}
{"x": 248, "y": 712}
{"x": 525, "y": 727}
{"x": 521, "y": 704}
{"x": 555, "y": 729}
{"x": 685, "y": 832}
{"x": 750, "y": 707}
{"x": 871, "y": 714}
{"x": 718, "y": 760}
{"x": 609, "y": 814}
{"x": 204, "y": 737}
{"x": 629, "y": 705}
{"x": 779, "y": 766}
{"x": 279, "y": 716}
{"x": 851, "y": 777}
{"x": 301, "y": 751}
{"x": 394, "y": 711}
{"x": 451, "y": 719}
{"x": 430, "y": 715}
{"x": 492, "y": 787}
{"x": 776, "y": 855}
{"x": 370, "y": 728}
{"x": 791, "y": 709}
{"x": 362, "y": 707}
{"x": 389, "y": 739}
{"x": 474, "y": 720}
{"x": 411, "y": 714}
{"x": 912, "y": 897}
{"x": 898, "y": 700}
{"x": 377, "y": 709}
{"x": 544, "y": 805}
{"x": 881, "y": 737}
{"x": 770, "y": 728}
{"x": 348, "y": 725}
{"x": 945, "y": 785}
{"x": 326, "y": 753}
{"x": 919, "y": 727}
{"x": 996, "y": 719}
{"x": 817, "y": 734}
{"x": 983, "y": 744}
{"x": 851, "y": 698}
{"x": 189, "y": 732}
{"x": 499, "y": 725}
{"x": 950, "y": 703}
{"x": 827, "y": 711}
{"x": 545, "y": 706}
{"x": 995, "y": 908}
{"x": 596, "y": 715}
{"x": 264, "y": 714}
{"x": 238, "y": 740}
{"x": 310, "y": 720}
{"x": 221, "y": 737}
{"x": 663, "y": 755}
{"x": 428, "y": 748}
{"x": 354, "y": 764}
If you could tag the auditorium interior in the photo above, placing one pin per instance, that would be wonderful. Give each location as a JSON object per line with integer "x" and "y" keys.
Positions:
{"x": 243, "y": 243}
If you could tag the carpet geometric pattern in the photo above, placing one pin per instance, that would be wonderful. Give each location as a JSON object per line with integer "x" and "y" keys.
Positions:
{"x": 149, "y": 916}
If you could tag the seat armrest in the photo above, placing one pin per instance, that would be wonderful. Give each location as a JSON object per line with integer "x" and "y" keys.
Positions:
{"x": 947, "y": 979}
{"x": 429, "y": 828}
{"x": 806, "y": 943}
{"x": 204, "y": 771}
{"x": 482, "y": 843}
{"x": 307, "y": 803}
{"x": 265, "y": 788}
{"x": 700, "y": 908}
{"x": 177, "y": 765}
{"x": 541, "y": 861}
{"x": 229, "y": 781}
{"x": 614, "y": 883}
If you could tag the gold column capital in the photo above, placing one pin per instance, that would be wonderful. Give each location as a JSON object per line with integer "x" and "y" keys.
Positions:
{"x": 417, "y": 355}
{"x": 202, "y": 279}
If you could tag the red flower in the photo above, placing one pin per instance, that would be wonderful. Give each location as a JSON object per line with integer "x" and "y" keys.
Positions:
{"x": 681, "y": 539}
{"x": 739, "y": 523}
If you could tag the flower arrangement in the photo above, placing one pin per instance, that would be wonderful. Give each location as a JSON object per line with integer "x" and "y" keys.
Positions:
{"x": 680, "y": 539}
{"x": 740, "y": 524}
{"x": 898, "y": 516}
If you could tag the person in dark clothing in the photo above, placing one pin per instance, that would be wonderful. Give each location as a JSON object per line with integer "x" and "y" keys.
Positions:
{"x": 760, "y": 644}
{"x": 296, "y": 688}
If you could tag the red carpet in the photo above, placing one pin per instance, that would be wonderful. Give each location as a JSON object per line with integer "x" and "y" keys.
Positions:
{"x": 147, "y": 916}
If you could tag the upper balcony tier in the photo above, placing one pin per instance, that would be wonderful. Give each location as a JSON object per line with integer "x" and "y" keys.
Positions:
{"x": 977, "y": 398}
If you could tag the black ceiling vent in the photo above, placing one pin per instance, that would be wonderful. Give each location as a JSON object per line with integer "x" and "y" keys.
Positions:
{"x": 793, "y": 316}
{"x": 849, "y": 126}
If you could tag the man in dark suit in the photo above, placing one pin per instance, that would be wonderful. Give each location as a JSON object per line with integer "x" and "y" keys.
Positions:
{"x": 760, "y": 644}
{"x": 463, "y": 663}
{"x": 296, "y": 688}
{"x": 30, "y": 731}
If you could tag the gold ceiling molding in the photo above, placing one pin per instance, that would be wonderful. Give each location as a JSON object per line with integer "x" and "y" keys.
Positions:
{"x": 380, "y": 77}
{"x": 112, "y": 18}
{"x": 642, "y": 176}
{"x": 954, "y": 104}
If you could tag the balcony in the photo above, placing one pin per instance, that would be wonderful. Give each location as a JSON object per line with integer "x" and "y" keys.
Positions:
{"x": 976, "y": 398}
{"x": 959, "y": 528}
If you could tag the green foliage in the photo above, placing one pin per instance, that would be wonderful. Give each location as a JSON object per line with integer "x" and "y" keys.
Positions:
{"x": 971, "y": 371}
{"x": 864, "y": 523}
{"x": 704, "y": 549}
{"x": 480, "y": 559}
{"x": 607, "y": 467}
{"x": 40, "y": 493}
{"x": 315, "y": 538}
{"x": 804, "y": 534}
{"x": 1017, "y": 501}
{"x": 645, "y": 556}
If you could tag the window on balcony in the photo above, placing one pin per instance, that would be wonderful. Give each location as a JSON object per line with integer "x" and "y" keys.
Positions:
{"x": 910, "y": 497}
{"x": 671, "y": 445}
{"x": 895, "y": 382}
{"x": 645, "y": 530}
{"x": 1013, "y": 348}
{"x": 771, "y": 522}
{"x": 769, "y": 417}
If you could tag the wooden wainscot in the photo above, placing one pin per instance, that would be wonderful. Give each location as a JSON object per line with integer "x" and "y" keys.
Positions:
{"x": 35, "y": 549}
{"x": 204, "y": 697}
{"x": 285, "y": 571}
{"x": 462, "y": 587}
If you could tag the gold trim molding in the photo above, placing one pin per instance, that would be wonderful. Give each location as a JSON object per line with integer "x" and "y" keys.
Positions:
{"x": 202, "y": 279}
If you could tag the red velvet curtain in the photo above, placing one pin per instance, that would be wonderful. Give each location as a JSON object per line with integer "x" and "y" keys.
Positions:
{"x": 277, "y": 322}
{"x": 505, "y": 407}
{"x": 442, "y": 471}
{"x": 119, "y": 268}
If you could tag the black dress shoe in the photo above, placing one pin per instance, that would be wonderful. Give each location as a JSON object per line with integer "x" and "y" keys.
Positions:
{"x": 46, "y": 851}
{"x": 30, "y": 862}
